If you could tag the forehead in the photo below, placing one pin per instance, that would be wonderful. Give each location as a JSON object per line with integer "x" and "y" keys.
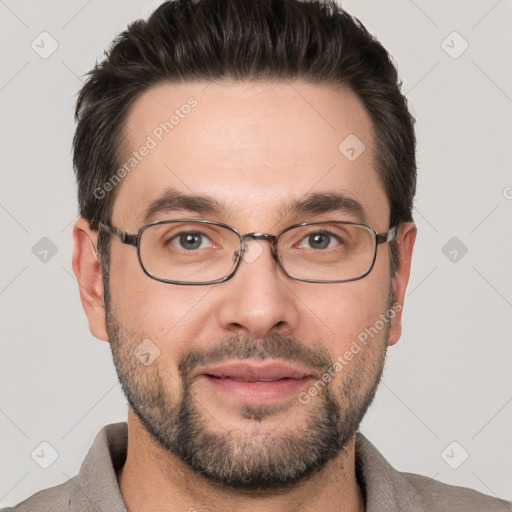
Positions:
{"x": 253, "y": 147}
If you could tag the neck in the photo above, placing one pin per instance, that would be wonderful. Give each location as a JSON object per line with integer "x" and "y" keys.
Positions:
{"x": 154, "y": 479}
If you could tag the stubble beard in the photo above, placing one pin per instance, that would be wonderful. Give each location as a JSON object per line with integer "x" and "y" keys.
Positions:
{"x": 259, "y": 459}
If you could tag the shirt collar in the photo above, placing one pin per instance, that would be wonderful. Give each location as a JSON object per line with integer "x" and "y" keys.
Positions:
{"x": 96, "y": 487}
{"x": 385, "y": 488}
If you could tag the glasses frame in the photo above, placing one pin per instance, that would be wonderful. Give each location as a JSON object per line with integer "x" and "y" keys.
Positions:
{"x": 134, "y": 239}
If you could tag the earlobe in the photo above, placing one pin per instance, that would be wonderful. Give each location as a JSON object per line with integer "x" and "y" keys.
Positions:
{"x": 404, "y": 245}
{"x": 87, "y": 269}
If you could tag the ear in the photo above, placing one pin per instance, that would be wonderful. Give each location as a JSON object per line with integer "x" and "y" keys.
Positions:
{"x": 404, "y": 245}
{"x": 87, "y": 269}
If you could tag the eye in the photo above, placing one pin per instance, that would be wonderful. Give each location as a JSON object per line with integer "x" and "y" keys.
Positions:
{"x": 320, "y": 240}
{"x": 190, "y": 240}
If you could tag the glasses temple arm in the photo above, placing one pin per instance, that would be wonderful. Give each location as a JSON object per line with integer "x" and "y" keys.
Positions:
{"x": 124, "y": 236}
{"x": 387, "y": 237}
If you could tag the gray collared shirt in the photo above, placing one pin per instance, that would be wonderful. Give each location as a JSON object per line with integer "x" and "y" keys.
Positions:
{"x": 95, "y": 488}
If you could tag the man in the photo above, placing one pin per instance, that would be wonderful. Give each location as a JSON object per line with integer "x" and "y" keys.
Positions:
{"x": 246, "y": 173}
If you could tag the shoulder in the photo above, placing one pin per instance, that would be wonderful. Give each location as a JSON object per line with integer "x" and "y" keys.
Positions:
{"x": 53, "y": 499}
{"x": 96, "y": 483}
{"x": 387, "y": 489}
{"x": 436, "y": 496}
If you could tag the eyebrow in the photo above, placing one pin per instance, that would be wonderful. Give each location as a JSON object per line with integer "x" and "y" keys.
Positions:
{"x": 312, "y": 204}
{"x": 172, "y": 200}
{"x": 325, "y": 202}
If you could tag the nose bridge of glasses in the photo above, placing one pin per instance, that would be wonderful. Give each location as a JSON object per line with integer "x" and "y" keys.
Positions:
{"x": 260, "y": 236}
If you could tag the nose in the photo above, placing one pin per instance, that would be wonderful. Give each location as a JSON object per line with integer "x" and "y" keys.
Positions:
{"x": 258, "y": 299}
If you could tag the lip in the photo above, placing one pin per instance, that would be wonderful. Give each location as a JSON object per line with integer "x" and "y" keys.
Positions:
{"x": 255, "y": 371}
{"x": 255, "y": 382}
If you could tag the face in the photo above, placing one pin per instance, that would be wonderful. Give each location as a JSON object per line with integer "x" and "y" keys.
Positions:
{"x": 258, "y": 381}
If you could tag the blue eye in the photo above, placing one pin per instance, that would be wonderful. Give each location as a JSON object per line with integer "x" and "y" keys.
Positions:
{"x": 190, "y": 240}
{"x": 320, "y": 240}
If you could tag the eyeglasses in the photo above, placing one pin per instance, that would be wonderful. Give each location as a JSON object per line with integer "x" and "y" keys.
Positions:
{"x": 199, "y": 252}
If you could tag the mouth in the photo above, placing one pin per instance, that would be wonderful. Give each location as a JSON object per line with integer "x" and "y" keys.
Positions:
{"x": 256, "y": 382}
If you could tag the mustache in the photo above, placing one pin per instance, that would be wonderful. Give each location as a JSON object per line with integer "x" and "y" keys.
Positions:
{"x": 274, "y": 346}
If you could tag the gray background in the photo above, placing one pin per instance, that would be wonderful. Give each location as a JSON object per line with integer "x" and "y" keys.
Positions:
{"x": 449, "y": 377}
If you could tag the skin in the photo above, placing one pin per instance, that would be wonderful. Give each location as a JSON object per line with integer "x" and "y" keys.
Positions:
{"x": 253, "y": 146}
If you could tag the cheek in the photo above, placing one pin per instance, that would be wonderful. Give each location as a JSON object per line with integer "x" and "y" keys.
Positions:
{"x": 156, "y": 310}
{"x": 341, "y": 312}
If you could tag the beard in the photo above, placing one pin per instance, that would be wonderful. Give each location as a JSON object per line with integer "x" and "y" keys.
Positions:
{"x": 258, "y": 459}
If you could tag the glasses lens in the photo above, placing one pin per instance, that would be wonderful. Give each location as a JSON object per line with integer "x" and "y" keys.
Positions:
{"x": 191, "y": 252}
{"x": 327, "y": 252}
